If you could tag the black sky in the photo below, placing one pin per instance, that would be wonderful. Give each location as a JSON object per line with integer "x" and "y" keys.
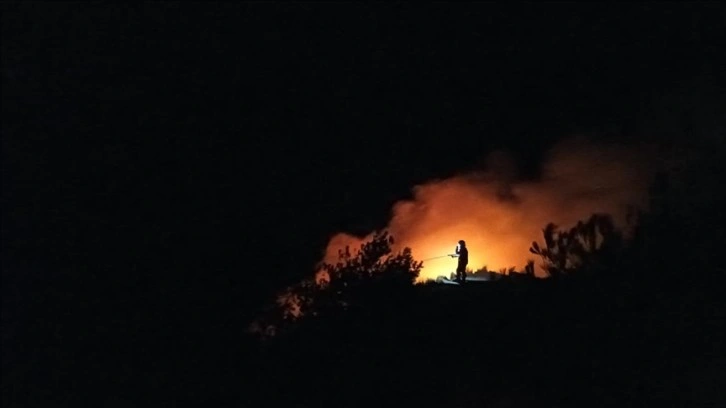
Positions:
{"x": 218, "y": 145}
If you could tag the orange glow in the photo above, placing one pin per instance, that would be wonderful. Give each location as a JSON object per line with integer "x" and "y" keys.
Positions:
{"x": 499, "y": 217}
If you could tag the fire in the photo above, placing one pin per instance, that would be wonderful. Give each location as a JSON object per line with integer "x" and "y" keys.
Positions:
{"x": 499, "y": 216}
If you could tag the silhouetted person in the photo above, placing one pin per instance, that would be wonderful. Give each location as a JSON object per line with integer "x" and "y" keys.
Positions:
{"x": 463, "y": 254}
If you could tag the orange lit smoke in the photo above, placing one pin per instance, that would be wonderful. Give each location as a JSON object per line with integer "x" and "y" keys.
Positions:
{"x": 499, "y": 217}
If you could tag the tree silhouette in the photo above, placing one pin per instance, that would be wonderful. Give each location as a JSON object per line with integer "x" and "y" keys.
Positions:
{"x": 355, "y": 281}
{"x": 588, "y": 246}
{"x": 529, "y": 268}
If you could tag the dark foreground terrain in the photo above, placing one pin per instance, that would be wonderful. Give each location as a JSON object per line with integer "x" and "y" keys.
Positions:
{"x": 509, "y": 344}
{"x": 604, "y": 342}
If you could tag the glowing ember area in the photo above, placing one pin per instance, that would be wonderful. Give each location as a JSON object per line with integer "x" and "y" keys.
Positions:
{"x": 499, "y": 217}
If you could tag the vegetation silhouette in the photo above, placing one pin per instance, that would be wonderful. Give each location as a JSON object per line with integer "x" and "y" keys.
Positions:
{"x": 356, "y": 282}
{"x": 589, "y": 247}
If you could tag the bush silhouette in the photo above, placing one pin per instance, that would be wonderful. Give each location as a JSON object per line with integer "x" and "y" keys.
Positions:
{"x": 589, "y": 246}
{"x": 358, "y": 280}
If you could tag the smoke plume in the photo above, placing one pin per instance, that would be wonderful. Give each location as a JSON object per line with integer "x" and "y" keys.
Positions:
{"x": 499, "y": 215}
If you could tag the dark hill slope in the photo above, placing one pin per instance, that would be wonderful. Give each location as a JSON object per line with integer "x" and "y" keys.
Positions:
{"x": 535, "y": 343}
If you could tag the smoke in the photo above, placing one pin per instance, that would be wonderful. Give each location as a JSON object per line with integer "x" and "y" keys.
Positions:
{"x": 499, "y": 215}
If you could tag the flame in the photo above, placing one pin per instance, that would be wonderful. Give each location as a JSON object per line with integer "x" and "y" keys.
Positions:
{"x": 499, "y": 216}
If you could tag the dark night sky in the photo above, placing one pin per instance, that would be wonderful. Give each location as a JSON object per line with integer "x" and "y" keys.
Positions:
{"x": 187, "y": 143}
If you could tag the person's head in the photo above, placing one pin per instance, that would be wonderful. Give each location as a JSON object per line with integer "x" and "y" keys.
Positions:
{"x": 462, "y": 243}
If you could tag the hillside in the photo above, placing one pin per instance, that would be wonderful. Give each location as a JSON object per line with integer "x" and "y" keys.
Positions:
{"x": 536, "y": 343}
